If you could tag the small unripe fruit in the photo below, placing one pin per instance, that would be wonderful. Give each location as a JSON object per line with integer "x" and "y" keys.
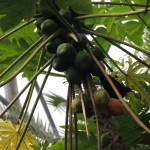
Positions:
{"x": 105, "y": 140}
{"x": 66, "y": 51}
{"x": 60, "y": 65}
{"x": 73, "y": 76}
{"x": 101, "y": 97}
{"x": 83, "y": 61}
{"x": 49, "y": 26}
{"x": 99, "y": 54}
{"x": 66, "y": 13}
{"x": 76, "y": 105}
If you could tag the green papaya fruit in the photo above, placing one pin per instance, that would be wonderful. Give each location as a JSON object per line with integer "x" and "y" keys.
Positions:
{"x": 83, "y": 61}
{"x": 49, "y": 26}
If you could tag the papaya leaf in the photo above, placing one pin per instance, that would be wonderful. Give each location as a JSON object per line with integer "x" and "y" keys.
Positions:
{"x": 139, "y": 1}
{"x": 136, "y": 66}
{"x": 82, "y": 142}
{"x": 10, "y": 50}
{"x": 15, "y": 11}
{"x": 119, "y": 9}
{"x": 102, "y": 41}
{"x": 14, "y": 46}
{"x": 133, "y": 81}
{"x": 28, "y": 34}
{"x": 82, "y": 6}
{"x": 137, "y": 78}
{"x": 10, "y": 136}
{"x": 135, "y": 102}
{"x": 134, "y": 31}
{"x": 30, "y": 69}
{"x": 64, "y": 4}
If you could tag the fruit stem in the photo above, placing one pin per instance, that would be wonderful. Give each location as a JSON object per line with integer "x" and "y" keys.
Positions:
{"x": 16, "y": 29}
{"x": 26, "y": 86}
{"x": 106, "y": 64}
{"x": 76, "y": 130}
{"x": 90, "y": 86}
{"x": 91, "y": 31}
{"x": 34, "y": 106}
{"x": 55, "y": 74}
{"x": 108, "y": 56}
{"x": 70, "y": 116}
{"x": 29, "y": 95}
{"x": 112, "y": 14}
{"x": 130, "y": 54}
{"x": 66, "y": 121}
{"x": 118, "y": 94}
{"x": 84, "y": 111}
{"x": 75, "y": 123}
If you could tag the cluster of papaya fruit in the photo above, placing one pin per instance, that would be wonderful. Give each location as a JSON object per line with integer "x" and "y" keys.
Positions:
{"x": 102, "y": 99}
{"x": 73, "y": 59}
{"x": 71, "y": 56}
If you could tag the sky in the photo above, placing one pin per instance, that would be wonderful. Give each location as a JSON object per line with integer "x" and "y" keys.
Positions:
{"x": 54, "y": 85}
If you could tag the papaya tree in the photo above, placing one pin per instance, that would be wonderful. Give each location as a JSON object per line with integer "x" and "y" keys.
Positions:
{"x": 107, "y": 106}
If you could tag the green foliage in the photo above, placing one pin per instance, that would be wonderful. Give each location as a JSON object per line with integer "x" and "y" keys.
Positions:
{"x": 41, "y": 146}
{"x": 44, "y": 8}
{"x": 138, "y": 80}
{"x": 82, "y": 6}
{"x": 131, "y": 31}
{"x": 128, "y": 28}
{"x": 14, "y": 46}
{"x": 79, "y": 6}
{"x": 82, "y": 143}
{"x": 64, "y": 4}
{"x": 131, "y": 132}
{"x": 14, "y": 11}
{"x": 102, "y": 41}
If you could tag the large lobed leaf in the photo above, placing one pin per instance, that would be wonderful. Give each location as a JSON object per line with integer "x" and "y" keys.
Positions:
{"x": 79, "y": 6}
{"x": 15, "y": 11}
{"x": 10, "y": 136}
{"x": 12, "y": 47}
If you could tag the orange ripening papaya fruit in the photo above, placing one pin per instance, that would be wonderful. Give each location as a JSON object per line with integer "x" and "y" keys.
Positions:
{"x": 115, "y": 108}
{"x": 101, "y": 97}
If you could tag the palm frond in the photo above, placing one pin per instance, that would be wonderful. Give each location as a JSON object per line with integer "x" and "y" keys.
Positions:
{"x": 131, "y": 132}
{"x": 56, "y": 101}
{"x": 41, "y": 130}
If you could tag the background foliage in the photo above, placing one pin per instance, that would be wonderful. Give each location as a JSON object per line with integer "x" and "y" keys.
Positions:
{"x": 129, "y": 28}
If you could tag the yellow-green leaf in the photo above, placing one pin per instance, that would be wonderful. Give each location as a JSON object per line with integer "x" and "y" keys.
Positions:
{"x": 10, "y": 136}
